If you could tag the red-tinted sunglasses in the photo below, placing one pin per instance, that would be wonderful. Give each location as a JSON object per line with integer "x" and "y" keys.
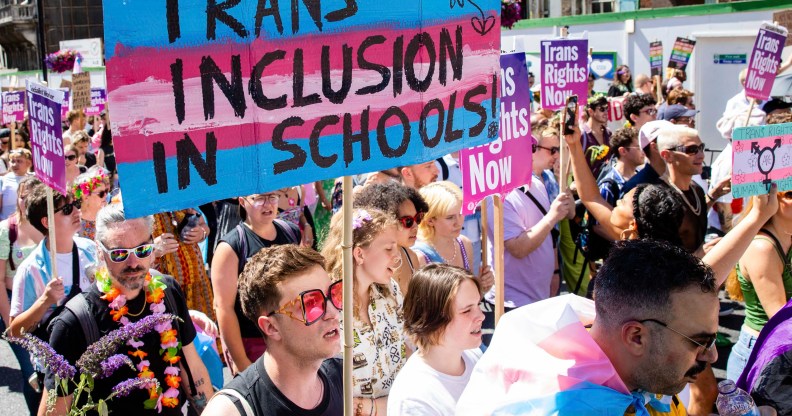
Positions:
{"x": 408, "y": 222}
{"x": 313, "y": 303}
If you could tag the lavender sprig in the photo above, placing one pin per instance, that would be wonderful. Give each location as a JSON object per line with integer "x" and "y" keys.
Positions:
{"x": 91, "y": 360}
{"x": 113, "y": 363}
{"x": 41, "y": 350}
{"x": 126, "y": 387}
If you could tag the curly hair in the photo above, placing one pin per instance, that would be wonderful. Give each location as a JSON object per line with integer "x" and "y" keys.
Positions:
{"x": 387, "y": 197}
{"x": 623, "y": 137}
{"x": 635, "y": 102}
{"x": 658, "y": 213}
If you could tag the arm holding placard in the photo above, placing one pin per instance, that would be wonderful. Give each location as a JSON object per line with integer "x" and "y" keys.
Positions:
{"x": 532, "y": 238}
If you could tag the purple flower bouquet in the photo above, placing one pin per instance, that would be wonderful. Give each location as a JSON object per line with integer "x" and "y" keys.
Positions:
{"x": 510, "y": 12}
{"x": 62, "y": 60}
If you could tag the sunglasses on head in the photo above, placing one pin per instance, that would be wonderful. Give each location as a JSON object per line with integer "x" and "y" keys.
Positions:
{"x": 313, "y": 304}
{"x": 68, "y": 207}
{"x": 71, "y": 157}
{"x": 119, "y": 255}
{"x": 4, "y": 141}
{"x": 692, "y": 149}
{"x": 553, "y": 150}
{"x": 408, "y": 222}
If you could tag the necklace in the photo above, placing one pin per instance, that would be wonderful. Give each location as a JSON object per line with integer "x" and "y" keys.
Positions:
{"x": 453, "y": 247}
{"x": 141, "y": 311}
{"x": 697, "y": 209}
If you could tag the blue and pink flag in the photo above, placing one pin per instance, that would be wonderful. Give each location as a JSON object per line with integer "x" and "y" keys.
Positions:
{"x": 761, "y": 155}
{"x": 246, "y": 96}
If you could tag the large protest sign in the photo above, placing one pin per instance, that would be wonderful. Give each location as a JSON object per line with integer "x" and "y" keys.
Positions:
{"x": 13, "y": 106}
{"x": 98, "y": 102}
{"x": 765, "y": 58}
{"x": 680, "y": 55}
{"x": 616, "y": 116}
{"x": 46, "y": 136}
{"x": 248, "y": 96}
{"x": 564, "y": 69}
{"x": 761, "y": 155}
{"x": 81, "y": 91}
{"x": 498, "y": 167}
{"x": 656, "y": 58}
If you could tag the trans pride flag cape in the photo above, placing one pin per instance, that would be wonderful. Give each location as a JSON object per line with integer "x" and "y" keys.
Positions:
{"x": 542, "y": 361}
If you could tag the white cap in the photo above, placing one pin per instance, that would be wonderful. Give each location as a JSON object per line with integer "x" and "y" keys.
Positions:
{"x": 650, "y": 130}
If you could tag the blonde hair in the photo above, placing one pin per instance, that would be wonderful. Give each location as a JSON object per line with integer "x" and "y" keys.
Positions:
{"x": 372, "y": 222}
{"x": 671, "y": 136}
{"x": 441, "y": 197}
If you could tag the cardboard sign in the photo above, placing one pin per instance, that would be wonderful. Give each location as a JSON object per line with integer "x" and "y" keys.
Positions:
{"x": 98, "y": 102}
{"x": 13, "y": 106}
{"x": 506, "y": 163}
{"x": 656, "y": 58}
{"x": 761, "y": 155}
{"x": 680, "y": 55}
{"x": 246, "y": 96}
{"x": 765, "y": 58}
{"x": 46, "y": 136}
{"x": 564, "y": 71}
{"x": 81, "y": 91}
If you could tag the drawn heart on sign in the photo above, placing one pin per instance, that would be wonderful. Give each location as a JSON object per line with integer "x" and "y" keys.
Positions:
{"x": 601, "y": 67}
{"x": 483, "y": 26}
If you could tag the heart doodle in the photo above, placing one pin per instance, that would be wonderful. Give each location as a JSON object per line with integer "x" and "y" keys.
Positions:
{"x": 482, "y": 27}
{"x": 601, "y": 67}
{"x": 461, "y": 3}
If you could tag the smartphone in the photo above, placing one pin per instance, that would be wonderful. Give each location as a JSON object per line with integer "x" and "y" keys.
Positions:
{"x": 571, "y": 114}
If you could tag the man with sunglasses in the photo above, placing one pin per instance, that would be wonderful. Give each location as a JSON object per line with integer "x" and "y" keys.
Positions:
{"x": 125, "y": 248}
{"x": 680, "y": 115}
{"x": 640, "y": 109}
{"x": 287, "y": 292}
{"x": 596, "y": 132}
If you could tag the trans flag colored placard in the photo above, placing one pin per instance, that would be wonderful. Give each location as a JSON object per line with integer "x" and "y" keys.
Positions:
{"x": 46, "y": 136}
{"x": 246, "y": 96}
{"x": 98, "y": 102}
{"x": 564, "y": 71}
{"x": 13, "y": 106}
{"x": 761, "y": 155}
{"x": 499, "y": 167}
{"x": 765, "y": 58}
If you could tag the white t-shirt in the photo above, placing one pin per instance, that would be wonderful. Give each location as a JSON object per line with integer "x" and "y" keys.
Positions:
{"x": 420, "y": 390}
{"x": 10, "y": 183}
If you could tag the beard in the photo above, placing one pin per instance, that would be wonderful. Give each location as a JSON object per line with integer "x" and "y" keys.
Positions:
{"x": 131, "y": 278}
{"x": 660, "y": 377}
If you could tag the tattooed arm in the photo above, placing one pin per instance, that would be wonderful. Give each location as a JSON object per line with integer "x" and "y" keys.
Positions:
{"x": 203, "y": 386}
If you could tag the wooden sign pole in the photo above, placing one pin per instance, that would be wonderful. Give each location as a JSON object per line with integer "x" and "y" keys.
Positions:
{"x": 497, "y": 257}
{"x": 13, "y": 135}
{"x": 51, "y": 237}
{"x": 349, "y": 341}
{"x": 484, "y": 234}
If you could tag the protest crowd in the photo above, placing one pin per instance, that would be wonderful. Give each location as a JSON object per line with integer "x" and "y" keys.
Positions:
{"x": 614, "y": 268}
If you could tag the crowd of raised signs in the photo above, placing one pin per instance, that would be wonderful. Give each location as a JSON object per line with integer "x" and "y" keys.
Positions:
{"x": 645, "y": 238}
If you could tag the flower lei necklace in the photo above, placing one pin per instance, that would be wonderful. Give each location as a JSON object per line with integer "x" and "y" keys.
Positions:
{"x": 169, "y": 341}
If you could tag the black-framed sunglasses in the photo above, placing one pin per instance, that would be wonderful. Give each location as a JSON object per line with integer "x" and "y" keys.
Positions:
{"x": 553, "y": 150}
{"x": 102, "y": 193}
{"x": 408, "y": 221}
{"x": 705, "y": 346}
{"x": 313, "y": 303}
{"x": 692, "y": 149}
{"x": 71, "y": 157}
{"x": 650, "y": 111}
{"x": 603, "y": 108}
{"x": 119, "y": 255}
{"x": 68, "y": 207}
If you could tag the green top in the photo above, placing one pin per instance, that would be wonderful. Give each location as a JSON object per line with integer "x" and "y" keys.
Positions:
{"x": 755, "y": 315}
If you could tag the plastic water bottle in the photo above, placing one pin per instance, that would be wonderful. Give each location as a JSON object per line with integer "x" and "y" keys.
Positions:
{"x": 734, "y": 401}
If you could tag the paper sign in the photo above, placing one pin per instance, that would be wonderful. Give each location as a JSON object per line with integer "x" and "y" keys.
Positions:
{"x": 506, "y": 163}
{"x": 761, "y": 155}
{"x": 250, "y": 96}
{"x": 65, "y": 104}
{"x": 13, "y": 106}
{"x": 680, "y": 55}
{"x": 564, "y": 71}
{"x": 46, "y": 136}
{"x": 616, "y": 116}
{"x": 765, "y": 58}
{"x": 98, "y": 101}
{"x": 81, "y": 91}
{"x": 656, "y": 58}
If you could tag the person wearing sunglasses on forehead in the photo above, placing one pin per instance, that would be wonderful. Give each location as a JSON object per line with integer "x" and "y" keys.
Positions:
{"x": 20, "y": 162}
{"x": 595, "y": 130}
{"x": 408, "y": 207}
{"x": 297, "y": 309}
{"x": 381, "y": 347}
{"x": 37, "y": 293}
{"x": 127, "y": 290}
{"x": 260, "y": 228}
{"x": 622, "y": 82}
{"x": 91, "y": 189}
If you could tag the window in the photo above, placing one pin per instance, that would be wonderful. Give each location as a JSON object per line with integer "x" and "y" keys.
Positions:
{"x": 603, "y": 6}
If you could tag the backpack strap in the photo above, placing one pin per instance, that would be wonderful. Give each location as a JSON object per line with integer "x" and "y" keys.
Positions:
{"x": 554, "y": 233}
{"x": 78, "y": 306}
{"x": 443, "y": 167}
{"x": 288, "y": 228}
{"x": 13, "y": 233}
{"x": 241, "y": 401}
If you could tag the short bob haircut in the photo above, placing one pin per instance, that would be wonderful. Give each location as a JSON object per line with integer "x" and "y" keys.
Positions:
{"x": 429, "y": 304}
{"x": 441, "y": 197}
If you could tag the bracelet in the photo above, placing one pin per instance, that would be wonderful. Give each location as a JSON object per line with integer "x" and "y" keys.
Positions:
{"x": 359, "y": 409}
{"x": 204, "y": 231}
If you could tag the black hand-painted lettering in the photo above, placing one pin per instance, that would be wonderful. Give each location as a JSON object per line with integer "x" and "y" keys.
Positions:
{"x": 187, "y": 153}
{"x": 398, "y": 65}
{"x": 362, "y": 137}
{"x": 452, "y": 52}
{"x": 416, "y": 43}
{"x": 313, "y": 143}
{"x": 314, "y": 10}
{"x": 255, "y": 87}
{"x": 273, "y": 11}
{"x": 348, "y": 11}
{"x": 298, "y": 85}
{"x": 172, "y": 16}
{"x": 215, "y": 12}
{"x": 233, "y": 90}
{"x": 336, "y": 97}
{"x": 437, "y": 105}
{"x": 383, "y": 70}
{"x": 451, "y": 134}
{"x": 477, "y": 108}
{"x": 177, "y": 75}
{"x": 382, "y": 138}
{"x": 299, "y": 155}
{"x": 160, "y": 170}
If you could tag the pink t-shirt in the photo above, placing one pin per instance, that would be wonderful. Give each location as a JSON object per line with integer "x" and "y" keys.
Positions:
{"x": 527, "y": 280}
